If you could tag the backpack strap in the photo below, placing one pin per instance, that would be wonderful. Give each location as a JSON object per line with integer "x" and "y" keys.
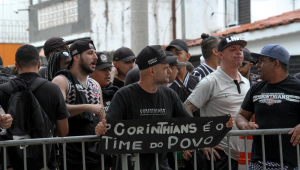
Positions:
{"x": 7, "y": 87}
{"x": 37, "y": 83}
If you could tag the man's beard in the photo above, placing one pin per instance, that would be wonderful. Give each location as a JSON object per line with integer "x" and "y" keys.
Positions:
{"x": 85, "y": 67}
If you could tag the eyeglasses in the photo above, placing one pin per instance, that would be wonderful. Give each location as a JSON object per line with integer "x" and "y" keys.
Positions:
{"x": 243, "y": 64}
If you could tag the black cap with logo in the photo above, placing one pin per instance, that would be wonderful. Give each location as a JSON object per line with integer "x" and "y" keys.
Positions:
{"x": 179, "y": 45}
{"x": 53, "y": 43}
{"x": 152, "y": 55}
{"x": 124, "y": 54}
{"x": 103, "y": 61}
{"x": 230, "y": 40}
{"x": 80, "y": 46}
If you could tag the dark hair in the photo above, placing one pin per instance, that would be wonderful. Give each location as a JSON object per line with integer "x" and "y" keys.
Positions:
{"x": 27, "y": 56}
{"x": 190, "y": 67}
{"x": 283, "y": 66}
{"x": 14, "y": 71}
{"x": 208, "y": 43}
{"x": 53, "y": 65}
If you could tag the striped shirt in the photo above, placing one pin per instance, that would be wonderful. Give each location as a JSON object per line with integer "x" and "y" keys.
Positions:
{"x": 202, "y": 70}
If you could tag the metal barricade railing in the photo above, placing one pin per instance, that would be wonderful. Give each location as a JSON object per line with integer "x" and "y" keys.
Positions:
{"x": 44, "y": 142}
{"x": 135, "y": 157}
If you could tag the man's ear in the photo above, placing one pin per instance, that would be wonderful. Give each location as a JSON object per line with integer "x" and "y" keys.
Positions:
{"x": 188, "y": 56}
{"x": 152, "y": 71}
{"x": 250, "y": 65}
{"x": 116, "y": 64}
{"x": 220, "y": 54}
{"x": 276, "y": 64}
{"x": 214, "y": 51}
{"x": 17, "y": 67}
{"x": 39, "y": 65}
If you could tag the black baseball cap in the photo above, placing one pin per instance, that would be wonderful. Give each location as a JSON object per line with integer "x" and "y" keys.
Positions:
{"x": 152, "y": 55}
{"x": 230, "y": 40}
{"x": 103, "y": 61}
{"x": 53, "y": 43}
{"x": 179, "y": 45}
{"x": 175, "y": 63}
{"x": 247, "y": 55}
{"x": 124, "y": 54}
{"x": 80, "y": 46}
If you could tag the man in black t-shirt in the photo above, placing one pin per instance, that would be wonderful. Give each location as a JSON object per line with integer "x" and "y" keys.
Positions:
{"x": 48, "y": 94}
{"x": 275, "y": 103}
{"x": 164, "y": 102}
{"x": 124, "y": 60}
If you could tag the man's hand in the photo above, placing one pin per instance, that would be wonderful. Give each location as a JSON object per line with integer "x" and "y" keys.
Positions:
{"x": 187, "y": 155}
{"x": 206, "y": 151}
{"x": 5, "y": 121}
{"x": 230, "y": 122}
{"x": 98, "y": 109}
{"x": 100, "y": 129}
{"x": 295, "y": 139}
{"x": 250, "y": 126}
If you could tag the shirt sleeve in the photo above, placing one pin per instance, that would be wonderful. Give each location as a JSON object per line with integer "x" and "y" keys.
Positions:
{"x": 116, "y": 110}
{"x": 201, "y": 93}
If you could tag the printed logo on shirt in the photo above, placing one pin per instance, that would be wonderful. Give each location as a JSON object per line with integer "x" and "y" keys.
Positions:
{"x": 107, "y": 104}
{"x": 274, "y": 98}
{"x": 145, "y": 112}
{"x": 79, "y": 87}
{"x": 95, "y": 90}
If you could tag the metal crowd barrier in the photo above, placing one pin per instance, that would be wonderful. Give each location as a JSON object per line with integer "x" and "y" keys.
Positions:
{"x": 135, "y": 158}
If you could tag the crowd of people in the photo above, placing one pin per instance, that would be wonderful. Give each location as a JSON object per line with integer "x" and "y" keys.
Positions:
{"x": 86, "y": 89}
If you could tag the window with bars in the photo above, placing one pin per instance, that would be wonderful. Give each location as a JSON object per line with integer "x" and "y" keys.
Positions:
{"x": 62, "y": 13}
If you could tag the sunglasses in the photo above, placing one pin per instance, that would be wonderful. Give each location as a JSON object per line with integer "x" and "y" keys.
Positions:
{"x": 243, "y": 64}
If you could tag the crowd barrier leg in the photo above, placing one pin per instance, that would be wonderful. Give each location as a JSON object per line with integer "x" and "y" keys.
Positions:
{"x": 175, "y": 160}
{"x": 5, "y": 159}
{"x": 280, "y": 149}
{"x": 245, "y": 152}
{"x": 83, "y": 156}
{"x": 263, "y": 150}
{"x": 65, "y": 156}
{"x": 211, "y": 158}
{"x": 102, "y": 161}
{"x": 25, "y": 158}
{"x": 298, "y": 158}
{"x": 137, "y": 161}
{"x": 44, "y": 157}
{"x": 195, "y": 159}
{"x": 124, "y": 162}
{"x": 229, "y": 154}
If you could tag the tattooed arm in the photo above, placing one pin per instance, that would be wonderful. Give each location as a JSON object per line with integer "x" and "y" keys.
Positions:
{"x": 190, "y": 107}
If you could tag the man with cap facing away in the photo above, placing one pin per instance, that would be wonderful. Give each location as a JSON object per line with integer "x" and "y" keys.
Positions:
{"x": 246, "y": 66}
{"x": 84, "y": 102}
{"x": 222, "y": 92}
{"x": 128, "y": 103}
{"x": 275, "y": 103}
{"x": 51, "y": 45}
{"x": 124, "y": 60}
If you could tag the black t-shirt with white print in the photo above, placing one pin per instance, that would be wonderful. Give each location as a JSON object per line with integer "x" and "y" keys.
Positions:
{"x": 132, "y": 102}
{"x": 275, "y": 106}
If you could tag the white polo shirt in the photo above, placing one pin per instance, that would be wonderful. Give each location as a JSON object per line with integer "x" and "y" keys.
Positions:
{"x": 218, "y": 94}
